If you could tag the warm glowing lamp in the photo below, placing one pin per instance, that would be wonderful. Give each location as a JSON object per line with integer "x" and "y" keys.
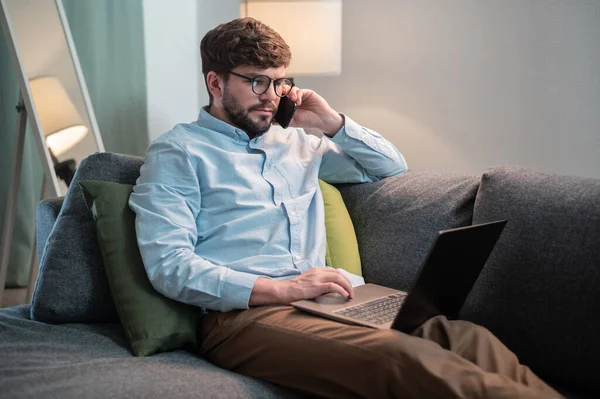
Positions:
{"x": 312, "y": 29}
{"x": 61, "y": 123}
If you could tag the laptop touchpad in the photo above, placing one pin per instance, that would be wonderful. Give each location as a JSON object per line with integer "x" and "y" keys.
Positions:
{"x": 331, "y": 299}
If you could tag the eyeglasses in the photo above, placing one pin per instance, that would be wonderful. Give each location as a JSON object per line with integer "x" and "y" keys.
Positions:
{"x": 261, "y": 83}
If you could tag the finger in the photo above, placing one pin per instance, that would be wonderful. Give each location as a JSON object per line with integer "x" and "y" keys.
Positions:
{"x": 338, "y": 271}
{"x": 330, "y": 287}
{"x": 296, "y": 95}
{"x": 347, "y": 285}
{"x": 338, "y": 278}
{"x": 293, "y": 94}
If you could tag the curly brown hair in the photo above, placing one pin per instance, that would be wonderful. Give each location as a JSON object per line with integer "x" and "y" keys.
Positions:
{"x": 243, "y": 41}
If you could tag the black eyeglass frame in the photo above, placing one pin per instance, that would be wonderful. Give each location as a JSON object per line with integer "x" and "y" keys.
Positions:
{"x": 274, "y": 81}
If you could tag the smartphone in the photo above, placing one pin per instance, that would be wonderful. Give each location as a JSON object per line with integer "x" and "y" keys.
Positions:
{"x": 285, "y": 112}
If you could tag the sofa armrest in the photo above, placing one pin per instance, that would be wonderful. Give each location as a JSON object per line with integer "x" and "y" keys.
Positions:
{"x": 46, "y": 214}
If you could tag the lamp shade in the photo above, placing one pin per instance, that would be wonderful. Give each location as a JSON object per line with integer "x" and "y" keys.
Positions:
{"x": 61, "y": 123}
{"x": 312, "y": 29}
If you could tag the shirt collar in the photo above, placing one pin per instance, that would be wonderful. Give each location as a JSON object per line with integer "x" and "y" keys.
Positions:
{"x": 206, "y": 120}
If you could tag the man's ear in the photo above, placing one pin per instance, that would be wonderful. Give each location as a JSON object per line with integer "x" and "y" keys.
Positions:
{"x": 215, "y": 84}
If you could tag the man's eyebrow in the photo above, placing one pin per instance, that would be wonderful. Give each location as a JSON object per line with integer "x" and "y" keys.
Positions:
{"x": 253, "y": 75}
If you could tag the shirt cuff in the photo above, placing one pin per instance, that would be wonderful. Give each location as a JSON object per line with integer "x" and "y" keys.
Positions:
{"x": 236, "y": 290}
{"x": 349, "y": 129}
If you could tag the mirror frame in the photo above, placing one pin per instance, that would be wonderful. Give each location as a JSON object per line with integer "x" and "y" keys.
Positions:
{"x": 27, "y": 99}
{"x": 27, "y": 112}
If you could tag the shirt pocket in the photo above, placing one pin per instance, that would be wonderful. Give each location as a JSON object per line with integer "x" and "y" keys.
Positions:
{"x": 300, "y": 175}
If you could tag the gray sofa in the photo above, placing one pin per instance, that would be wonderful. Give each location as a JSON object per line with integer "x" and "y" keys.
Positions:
{"x": 539, "y": 291}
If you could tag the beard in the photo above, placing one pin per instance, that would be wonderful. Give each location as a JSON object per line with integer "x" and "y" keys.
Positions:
{"x": 240, "y": 117}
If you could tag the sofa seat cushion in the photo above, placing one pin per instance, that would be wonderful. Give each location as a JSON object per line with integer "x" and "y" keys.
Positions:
{"x": 539, "y": 292}
{"x": 397, "y": 219}
{"x": 41, "y": 360}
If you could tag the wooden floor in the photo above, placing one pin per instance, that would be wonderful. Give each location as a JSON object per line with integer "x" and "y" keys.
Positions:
{"x": 21, "y": 296}
{"x": 14, "y": 296}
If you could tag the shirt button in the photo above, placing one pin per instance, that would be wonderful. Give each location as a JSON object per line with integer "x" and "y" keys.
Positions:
{"x": 297, "y": 257}
{"x": 292, "y": 213}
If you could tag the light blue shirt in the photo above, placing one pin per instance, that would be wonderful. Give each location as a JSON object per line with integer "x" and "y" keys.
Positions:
{"x": 215, "y": 210}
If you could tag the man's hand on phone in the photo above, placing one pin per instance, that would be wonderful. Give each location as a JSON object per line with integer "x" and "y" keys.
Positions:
{"x": 312, "y": 111}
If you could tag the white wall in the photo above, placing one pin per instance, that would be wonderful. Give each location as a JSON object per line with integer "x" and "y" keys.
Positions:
{"x": 463, "y": 85}
{"x": 210, "y": 14}
{"x": 170, "y": 36}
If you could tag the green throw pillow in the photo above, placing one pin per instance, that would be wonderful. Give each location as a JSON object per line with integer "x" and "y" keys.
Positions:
{"x": 153, "y": 323}
{"x": 342, "y": 246}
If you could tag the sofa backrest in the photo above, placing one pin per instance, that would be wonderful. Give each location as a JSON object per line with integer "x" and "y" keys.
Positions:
{"x": 539, "y": 292}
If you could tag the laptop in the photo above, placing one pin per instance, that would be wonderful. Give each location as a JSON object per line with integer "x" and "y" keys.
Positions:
{"x": 445, "y": 280}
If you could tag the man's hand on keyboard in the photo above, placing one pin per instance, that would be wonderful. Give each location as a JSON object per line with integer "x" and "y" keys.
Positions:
{"x": 315, "y": 282}
{"x": 310, "y": 284}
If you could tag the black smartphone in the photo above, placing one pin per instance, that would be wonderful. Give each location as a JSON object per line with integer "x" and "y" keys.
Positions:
{"x": 285, "y": 112}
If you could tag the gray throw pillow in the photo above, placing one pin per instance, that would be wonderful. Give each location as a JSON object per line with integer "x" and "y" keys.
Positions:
{"x": 71, "y": 286}
{"x": 397, "y": 219}
{"x": 539, "y": 291}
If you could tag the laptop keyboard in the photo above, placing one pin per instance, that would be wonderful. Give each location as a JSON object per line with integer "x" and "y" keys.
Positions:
{"x": 378, "y": 311}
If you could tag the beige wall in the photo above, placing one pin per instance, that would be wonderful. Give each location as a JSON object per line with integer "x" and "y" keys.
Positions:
{"x": 210, "y": 14}
{"x": 171, "y": 63}
{"x": 463, "y": 85}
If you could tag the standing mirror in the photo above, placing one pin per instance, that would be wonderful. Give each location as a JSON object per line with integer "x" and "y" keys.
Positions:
{"x": 54, "y": 102}
{"x": 52, "y": 84}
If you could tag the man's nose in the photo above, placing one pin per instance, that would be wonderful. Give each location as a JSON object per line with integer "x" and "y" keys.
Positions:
{"x": 269, "y": 95}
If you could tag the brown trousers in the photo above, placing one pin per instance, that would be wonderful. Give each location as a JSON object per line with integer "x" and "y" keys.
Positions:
{"x": 441, "y": 359}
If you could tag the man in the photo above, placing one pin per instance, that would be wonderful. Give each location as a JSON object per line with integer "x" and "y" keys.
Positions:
{"x": 230, "y": 218}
